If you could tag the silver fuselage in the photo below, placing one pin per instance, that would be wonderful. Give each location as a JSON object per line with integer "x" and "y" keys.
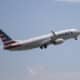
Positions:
{"x": 38, "y": 41}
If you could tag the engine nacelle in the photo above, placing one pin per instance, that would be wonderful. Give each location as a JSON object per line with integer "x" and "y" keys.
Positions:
{"x": 58, "y": 41}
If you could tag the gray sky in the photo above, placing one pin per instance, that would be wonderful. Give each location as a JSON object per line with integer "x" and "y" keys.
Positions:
{"x": 72, "y": 1}
{"x": 22, "y": 19}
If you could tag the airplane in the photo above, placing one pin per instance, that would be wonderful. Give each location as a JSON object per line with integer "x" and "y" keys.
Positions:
{"x": 43, "y": 41}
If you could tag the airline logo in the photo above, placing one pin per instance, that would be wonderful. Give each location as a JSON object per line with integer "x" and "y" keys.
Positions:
{"x": 7, "y": 41}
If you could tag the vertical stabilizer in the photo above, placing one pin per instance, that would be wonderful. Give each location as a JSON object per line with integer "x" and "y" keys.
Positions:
{"x": 5, "y": 38}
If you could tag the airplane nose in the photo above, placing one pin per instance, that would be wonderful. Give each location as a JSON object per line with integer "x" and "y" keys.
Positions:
{"x": 78, "y": 32}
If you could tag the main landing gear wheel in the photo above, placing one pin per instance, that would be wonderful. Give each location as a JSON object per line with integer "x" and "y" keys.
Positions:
{"x": 44, "y": 46}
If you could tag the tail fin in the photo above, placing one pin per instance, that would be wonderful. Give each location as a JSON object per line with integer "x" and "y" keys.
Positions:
{"x": 5, "y": 38}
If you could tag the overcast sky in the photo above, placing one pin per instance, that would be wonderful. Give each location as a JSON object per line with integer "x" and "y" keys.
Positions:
{"x": 69, "y": 1}
{"x": 22, "y": 19}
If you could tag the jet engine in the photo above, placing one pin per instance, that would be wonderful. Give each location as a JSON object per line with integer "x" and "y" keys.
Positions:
{"x": 58, "y": 41}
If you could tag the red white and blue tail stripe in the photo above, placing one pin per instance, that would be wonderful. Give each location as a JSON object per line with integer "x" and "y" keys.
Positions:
{"x": 6, "y": 39}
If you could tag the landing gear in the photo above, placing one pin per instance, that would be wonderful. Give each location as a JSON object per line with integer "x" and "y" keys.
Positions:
{"x": 43, "y": 46}
{"x": 76, "y": 38}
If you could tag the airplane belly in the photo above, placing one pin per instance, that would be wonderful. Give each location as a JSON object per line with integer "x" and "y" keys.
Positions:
{"x": 30, "y": 45}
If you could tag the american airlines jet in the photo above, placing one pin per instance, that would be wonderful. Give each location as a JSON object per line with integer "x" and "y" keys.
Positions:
{"x": 43, "y": 41}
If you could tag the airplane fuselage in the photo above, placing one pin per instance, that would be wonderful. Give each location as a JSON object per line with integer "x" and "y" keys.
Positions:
{"x": 45, "y": 40}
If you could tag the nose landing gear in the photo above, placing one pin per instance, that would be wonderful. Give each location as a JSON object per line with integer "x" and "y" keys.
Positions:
{"x": 76, "y": 38}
